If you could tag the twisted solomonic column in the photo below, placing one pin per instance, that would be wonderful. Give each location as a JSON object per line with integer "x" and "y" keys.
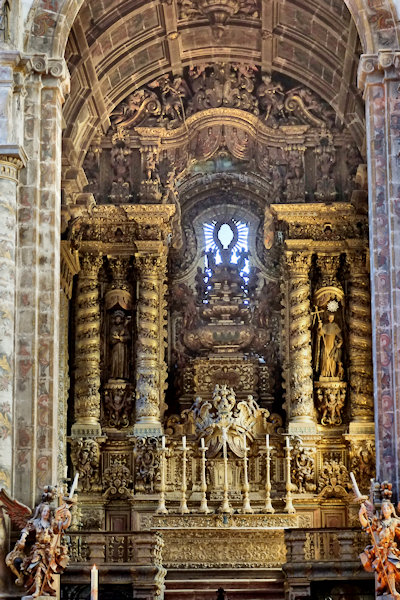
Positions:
{"x": 300, "y": 388}
{"x": 151, "y": 370}
{"x": 360, "y": 339}
{"x": 87, "y": 349}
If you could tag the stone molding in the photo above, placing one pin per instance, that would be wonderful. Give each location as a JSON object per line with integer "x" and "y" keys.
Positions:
{"x": 12, "y": 159}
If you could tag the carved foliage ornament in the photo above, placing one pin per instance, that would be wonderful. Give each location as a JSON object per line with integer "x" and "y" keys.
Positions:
{"x": 209, "y": 419}
{"x": 167, "y": 101}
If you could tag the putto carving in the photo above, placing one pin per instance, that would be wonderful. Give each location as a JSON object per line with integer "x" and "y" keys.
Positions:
{"x": 330, "y": 399}
{"x": 121, "y": 186}
{"x": 85, "y": 456}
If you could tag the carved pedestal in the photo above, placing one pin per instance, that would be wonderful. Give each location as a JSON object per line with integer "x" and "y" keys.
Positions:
{"x": 330, "y": 397}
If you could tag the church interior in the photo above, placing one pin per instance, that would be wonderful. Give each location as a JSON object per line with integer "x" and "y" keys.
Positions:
{"x": 200, "y": 288}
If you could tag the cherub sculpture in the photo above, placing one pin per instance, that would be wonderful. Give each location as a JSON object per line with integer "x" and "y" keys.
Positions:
{"x": 382, "y": 556}
{"x": 39, "y": 554}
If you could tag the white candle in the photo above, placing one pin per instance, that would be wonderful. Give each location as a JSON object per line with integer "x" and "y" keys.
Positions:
{"x": 287, "y": 442}
{"x": 202, "y": 443}
{"x": 267, "y": 441}
{"x": 244, "y": 441}
{"x": 66, "y": 472}
{"x": 224, "y": 434}
{"x": 74, "y": 485}
{"x": 355, "y": 486}
{"x": 184, "y": 442}
{"x": 163, "y": 442}
{"x": 94, "y": 583}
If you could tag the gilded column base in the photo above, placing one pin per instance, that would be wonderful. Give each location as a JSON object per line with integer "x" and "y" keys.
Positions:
{"x": 79, "y": 430}
{"x": 147, "y": 429}
{"x": 362, "y": 427}
{"x": 302, "y": 426}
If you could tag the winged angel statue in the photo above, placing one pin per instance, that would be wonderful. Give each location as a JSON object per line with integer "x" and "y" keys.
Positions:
{"x": 39, "y": 554}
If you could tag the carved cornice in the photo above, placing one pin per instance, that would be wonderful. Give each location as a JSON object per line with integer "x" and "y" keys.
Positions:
{"x": 325, "y": 224}
{"x": 109, "y": 227}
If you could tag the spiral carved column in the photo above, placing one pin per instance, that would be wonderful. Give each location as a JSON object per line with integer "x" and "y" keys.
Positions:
{"x": 360, "y": 341}
{"x": 151, "y": 369}
{"x": 87, "y": 349}
{"x": 300, "y": 388}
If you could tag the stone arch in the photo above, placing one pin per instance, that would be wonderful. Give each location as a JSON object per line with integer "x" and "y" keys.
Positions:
{"x": 50, "y": 21}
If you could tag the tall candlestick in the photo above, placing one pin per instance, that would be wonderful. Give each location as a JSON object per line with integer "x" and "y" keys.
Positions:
{"x": 183, "y": 506}
{"x": 74, "y": 485}
{"x": 203, "y": 503}
{"x": 246, "y": 488}
{"x": 94, "y": 583}
{"x": 268, "y": 508}
{"x": 289, "y": 508}
{"x": 162, "y": 509}
{"x": 225, "y": 506}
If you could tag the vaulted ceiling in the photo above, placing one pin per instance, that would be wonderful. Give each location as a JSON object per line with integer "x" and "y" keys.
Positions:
{"x": 116, "y": 46}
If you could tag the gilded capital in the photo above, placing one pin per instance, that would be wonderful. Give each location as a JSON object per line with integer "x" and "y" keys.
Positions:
{"x": 151, "y": 265}
{"x": 298, "y": 263}
{"x": 90, "y": 264}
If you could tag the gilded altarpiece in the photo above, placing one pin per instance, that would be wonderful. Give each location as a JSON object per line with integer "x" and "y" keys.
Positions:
{"x": 220, "y": 343}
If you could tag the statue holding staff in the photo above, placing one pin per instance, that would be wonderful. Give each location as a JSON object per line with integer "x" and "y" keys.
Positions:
{"x": 382, "y": 556}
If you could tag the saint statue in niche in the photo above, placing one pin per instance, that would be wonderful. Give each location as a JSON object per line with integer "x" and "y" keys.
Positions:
{"x": 329, "y": 341}
{"x": 119, "y": 342}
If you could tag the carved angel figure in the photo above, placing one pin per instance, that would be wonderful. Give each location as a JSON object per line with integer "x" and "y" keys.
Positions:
{"x": 39, "y": 554}
{"x": 383, "y": 556}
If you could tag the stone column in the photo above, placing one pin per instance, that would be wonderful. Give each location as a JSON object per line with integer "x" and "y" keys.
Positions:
{"x": 151, "y": 370}
{"x": 300, "y": 383}
{"x": 87, "y": 349}
{"x": 38, "y": 280}
{"x": 379, "y": 77}
{"x": 359, "y": 344}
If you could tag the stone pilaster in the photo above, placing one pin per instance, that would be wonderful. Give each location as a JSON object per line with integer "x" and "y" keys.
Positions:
{"x": 87, "y": 350}
{"x": 9, "y": 167}
{"x": 379, "y": 77}
{"x": 151, "y": 370}
{"x": 300, "y": 384}
{"x": 38, "y": 280}
{"x": 359, "y": 342}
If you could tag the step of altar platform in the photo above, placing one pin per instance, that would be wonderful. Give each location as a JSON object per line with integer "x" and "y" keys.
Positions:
{"x": 204, "y": 586}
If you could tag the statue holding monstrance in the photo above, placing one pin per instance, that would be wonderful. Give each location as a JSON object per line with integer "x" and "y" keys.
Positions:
{"x": 39, "y": 554}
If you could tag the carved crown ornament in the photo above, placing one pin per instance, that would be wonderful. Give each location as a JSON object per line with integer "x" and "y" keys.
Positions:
{"x": 169, "y": 100}
{"x": 208, "y": 419}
